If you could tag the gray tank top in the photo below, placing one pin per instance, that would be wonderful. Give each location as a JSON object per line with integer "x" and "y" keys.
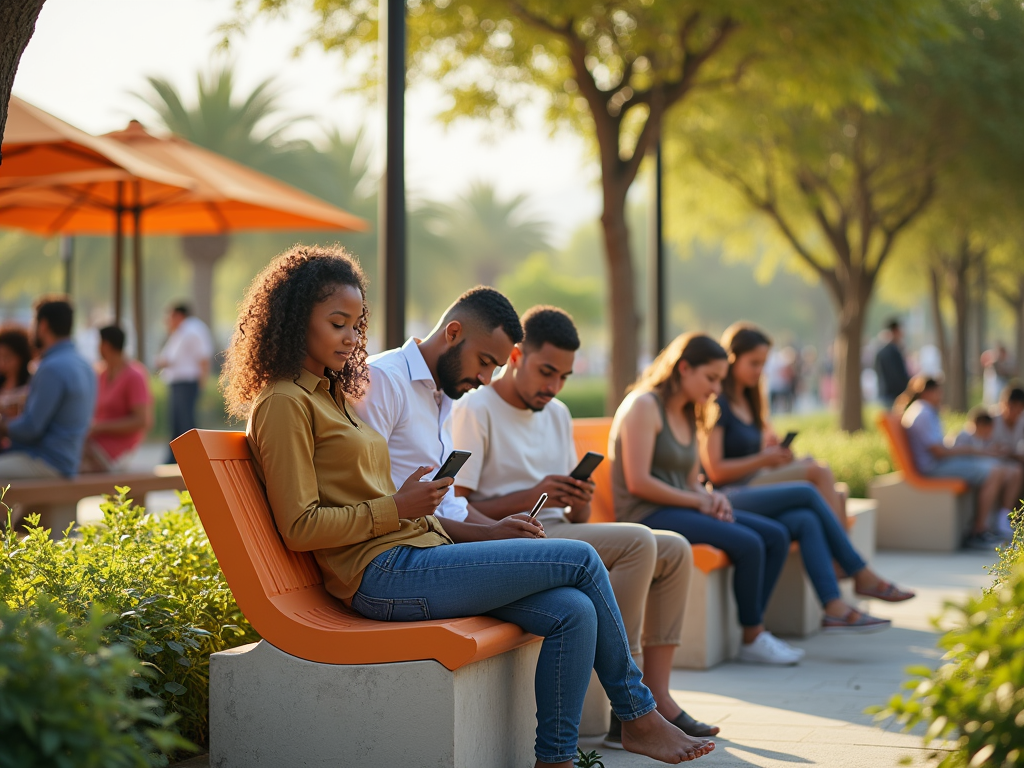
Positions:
{"x": 671, "y": 463}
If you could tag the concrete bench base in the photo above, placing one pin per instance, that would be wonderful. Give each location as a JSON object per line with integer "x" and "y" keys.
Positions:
{"x": 914, "y": 518}
{"x": 794, "y": 609}
{"x": 711, "y": 632}
{"x": 269, "y": 709}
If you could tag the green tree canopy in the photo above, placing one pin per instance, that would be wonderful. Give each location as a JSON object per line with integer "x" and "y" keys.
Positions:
{"x": 615, "y": 71}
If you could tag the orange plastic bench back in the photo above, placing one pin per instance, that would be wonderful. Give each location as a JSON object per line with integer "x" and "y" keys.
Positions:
{"x": 899, "y": 445}
{"x": 592, "y": 435}
{"x": 281, "y": 592}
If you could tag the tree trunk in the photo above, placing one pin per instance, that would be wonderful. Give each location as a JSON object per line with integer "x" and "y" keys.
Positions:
{"x": 956, "y": 377}
{"x": 625, "y": 324}
{"x": 940, "y": 327}
{"x": 204, "y": 252}
{"x": 17, "y": 23}
{"x": 1018, "y": 316}
{"x": 849, "y": 343}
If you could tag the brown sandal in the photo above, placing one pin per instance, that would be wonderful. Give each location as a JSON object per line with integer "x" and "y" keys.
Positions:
{"x": 887, "y": 591}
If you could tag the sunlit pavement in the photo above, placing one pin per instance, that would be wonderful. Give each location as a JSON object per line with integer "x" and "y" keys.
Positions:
{"x": 813, "y": 714}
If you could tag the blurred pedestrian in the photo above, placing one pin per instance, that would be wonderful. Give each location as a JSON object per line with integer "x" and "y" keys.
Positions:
{"x": 47, "y": 438}
{"x": 15, "y": 356}
{"x": 891, "y": 367}
{"x": 184, "y": 364}
{"x": 124, "y": 406}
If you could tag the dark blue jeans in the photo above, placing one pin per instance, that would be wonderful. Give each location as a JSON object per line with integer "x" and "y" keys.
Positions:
{"x": 810, "y": 520}
{"x": 557, "y": 589}
{"x": 757, "y": 547}
{"x": 183, "y": 397}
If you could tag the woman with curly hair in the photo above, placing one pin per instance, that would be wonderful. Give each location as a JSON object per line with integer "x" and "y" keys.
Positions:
{"x": 295, "y": 363}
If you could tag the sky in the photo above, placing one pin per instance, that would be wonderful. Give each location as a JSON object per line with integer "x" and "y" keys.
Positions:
{"x": 86, "y": 58}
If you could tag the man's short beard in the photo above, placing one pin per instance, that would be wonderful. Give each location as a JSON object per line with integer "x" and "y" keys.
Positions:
{"x": 449, "y": 371}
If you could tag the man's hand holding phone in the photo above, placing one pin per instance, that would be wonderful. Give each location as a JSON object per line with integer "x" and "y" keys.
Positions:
{"x": 419, "y": 498}
{"x": 565, "y": 491}
{"x": 520, "y": 526}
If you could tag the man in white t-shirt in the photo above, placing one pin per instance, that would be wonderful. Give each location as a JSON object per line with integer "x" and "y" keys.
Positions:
{"x": 184, "y": 363}
{"x": 522, "y": 445}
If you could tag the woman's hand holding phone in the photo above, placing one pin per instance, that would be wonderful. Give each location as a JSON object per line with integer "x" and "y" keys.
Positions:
{"x": 418, "y": 498}
{"x": 776, "y": 456}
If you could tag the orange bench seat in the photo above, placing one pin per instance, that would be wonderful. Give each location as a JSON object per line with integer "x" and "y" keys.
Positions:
{"x": 892, "y": 427}
{"x": 281, "y": 592}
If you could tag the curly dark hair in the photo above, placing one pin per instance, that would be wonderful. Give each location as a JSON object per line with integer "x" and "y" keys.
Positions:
{"x": 269, "y": 342}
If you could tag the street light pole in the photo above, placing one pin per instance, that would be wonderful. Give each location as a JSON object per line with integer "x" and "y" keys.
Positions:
{"x": 391, "y": 231}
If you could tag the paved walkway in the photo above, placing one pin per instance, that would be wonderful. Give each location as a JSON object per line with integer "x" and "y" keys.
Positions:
{"x": 813, "y": 714}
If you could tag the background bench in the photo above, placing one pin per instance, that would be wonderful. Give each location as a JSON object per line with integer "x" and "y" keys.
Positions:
{"x": 56, "y": 500}
{"x": 327, "y": 687}
{"x": 914, "y": 511}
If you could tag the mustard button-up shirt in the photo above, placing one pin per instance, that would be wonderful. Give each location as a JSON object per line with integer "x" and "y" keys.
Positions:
{"x": 328, "y": 480}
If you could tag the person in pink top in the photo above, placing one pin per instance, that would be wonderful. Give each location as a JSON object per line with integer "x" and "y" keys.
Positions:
{"x": 124, "y": 406}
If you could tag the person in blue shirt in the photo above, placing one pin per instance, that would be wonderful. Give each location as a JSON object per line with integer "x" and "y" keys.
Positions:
{"x": 993, "y": 479}
{"x": 47, "y": 438}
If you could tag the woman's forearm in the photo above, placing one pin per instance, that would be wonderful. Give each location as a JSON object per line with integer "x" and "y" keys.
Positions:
{"x": 724, "y": 471}
{"x": 656, "y": 491}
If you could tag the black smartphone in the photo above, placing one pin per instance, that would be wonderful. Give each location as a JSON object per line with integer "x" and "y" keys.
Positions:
{"x": 586, "y": 466}
{"x": 452, "y": 464}
{"x": 788, "y": 439}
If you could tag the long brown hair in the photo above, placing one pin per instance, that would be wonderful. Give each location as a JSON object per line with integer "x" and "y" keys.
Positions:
{"x": 740, "y": 339}
{"x": 918, "y": 385}
{"x": 269, "y": 342}
{"x": 662, "y": 376}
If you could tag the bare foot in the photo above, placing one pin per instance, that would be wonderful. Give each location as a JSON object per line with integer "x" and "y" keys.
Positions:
{"x": 654, "y": 736}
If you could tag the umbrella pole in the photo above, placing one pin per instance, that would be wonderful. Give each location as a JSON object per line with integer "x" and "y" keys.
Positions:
{"x": 140, "y": 324}
{"x": 118, "y": 251}
{"x": 67, "y": 258}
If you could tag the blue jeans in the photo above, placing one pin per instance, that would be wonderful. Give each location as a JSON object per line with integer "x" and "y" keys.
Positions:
{"x": 557, "y": 589}
{"x": 184, "y": 395}
{"x": 810, "y": 520}
{"x": 756, "y": 546}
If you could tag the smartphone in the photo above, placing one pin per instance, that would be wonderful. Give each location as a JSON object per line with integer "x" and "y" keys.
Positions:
{"x": 788, "y": 439}
{"x": 586, "y": 466}
{"x": 452, "y": 464}
{"x": 539, "y": 505}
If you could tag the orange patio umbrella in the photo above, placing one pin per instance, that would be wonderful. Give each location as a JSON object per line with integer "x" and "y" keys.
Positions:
{"x": 167, "y": 186}
{"x": 58, "y": 179}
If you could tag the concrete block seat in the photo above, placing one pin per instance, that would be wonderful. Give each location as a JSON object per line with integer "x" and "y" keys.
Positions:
{"x": 914, "y": 511}
{"x": 56, "y": 500}
{"x": 327, "y": 687}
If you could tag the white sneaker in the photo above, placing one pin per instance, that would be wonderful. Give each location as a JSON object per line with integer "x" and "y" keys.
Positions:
{"x": 1002, "y": 525}
{"x": 768, "y": 649}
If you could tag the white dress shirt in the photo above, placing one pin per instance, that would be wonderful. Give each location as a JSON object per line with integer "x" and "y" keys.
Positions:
{"x": 404, "y": 406}
{"x": 186, "y": 349}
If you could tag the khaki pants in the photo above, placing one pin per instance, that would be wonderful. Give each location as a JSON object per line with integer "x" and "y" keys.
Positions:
{"x": 649, "y": 572}
{"x": 15, "y": 465}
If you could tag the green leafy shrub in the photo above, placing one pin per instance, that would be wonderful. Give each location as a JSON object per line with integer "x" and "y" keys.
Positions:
{"x": 585, "y": 396}
{"x": 65, "y": 699}
{"x": 159, "y": 578}
{"x": 975, "y": 699}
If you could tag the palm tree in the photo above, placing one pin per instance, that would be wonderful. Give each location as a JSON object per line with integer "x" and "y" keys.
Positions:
{"x": 490, "y": 235}
{"x": 249, "y": 129}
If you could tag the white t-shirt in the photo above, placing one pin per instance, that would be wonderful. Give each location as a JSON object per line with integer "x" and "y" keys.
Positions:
{"x": 513, "y": 448}
{"x": 186, "y": 349}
